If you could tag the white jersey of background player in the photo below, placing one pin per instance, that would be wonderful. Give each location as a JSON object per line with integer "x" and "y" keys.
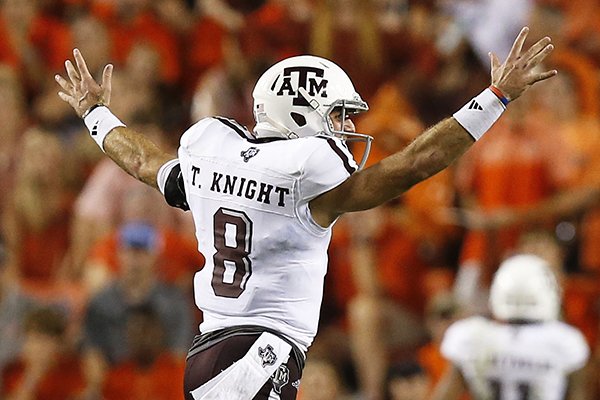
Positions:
{"x": 525, "y": 353}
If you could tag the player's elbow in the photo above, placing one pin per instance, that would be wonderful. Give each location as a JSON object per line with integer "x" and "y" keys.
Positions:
{"x": 147, "y": 174}
{"x": 143, "y": 170}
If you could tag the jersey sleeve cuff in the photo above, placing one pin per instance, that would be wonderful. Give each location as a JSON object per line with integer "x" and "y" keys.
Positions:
{"x": 163, "y": 174}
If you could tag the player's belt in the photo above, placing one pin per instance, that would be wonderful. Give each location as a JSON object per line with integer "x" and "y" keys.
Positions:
{"x": 209, "y": 339}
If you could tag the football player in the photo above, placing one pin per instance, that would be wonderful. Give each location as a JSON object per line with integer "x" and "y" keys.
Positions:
{"x": 264, "y": 202}
{"x": 524, "y": 352}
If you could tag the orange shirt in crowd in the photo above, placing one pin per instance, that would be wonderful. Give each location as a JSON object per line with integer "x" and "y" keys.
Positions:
{"x": 391, "y": 120}
{"x": 407, "y": 250}
{"x": 142, "y": 28}
{"x": 178, "y": 259}
{"x": 580, "y": 304}
{"x": 340, "y": 287}
{"x": 582, "y": 135}
{"x": 513, "y": 166}
{"x": 411, "y": 241}
{"x": 63, "y": 381}
{"x": 433, "y": 361}
{"x": 412, "y": 244}
{"x": 161, "y": 381}
{"x": 41, "y": 253}
{"x": 271, "y": 34}
{"x": 401, "y": 269}
{"x": 585, "y": 139}
{"x": 204, "y": 48}
{"x": 435, "y": 364}
{"x": 582, "y": 19}
{"x": 51, "y": 39}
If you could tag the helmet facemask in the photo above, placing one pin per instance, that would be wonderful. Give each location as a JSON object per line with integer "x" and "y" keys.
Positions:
{"x": 346, "y": 107}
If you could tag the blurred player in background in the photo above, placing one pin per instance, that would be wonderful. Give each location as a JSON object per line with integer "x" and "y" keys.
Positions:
{"x": 524, "y": 352}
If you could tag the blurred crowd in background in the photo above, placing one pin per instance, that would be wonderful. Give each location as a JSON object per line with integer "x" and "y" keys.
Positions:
{"x": 96, "y": 270}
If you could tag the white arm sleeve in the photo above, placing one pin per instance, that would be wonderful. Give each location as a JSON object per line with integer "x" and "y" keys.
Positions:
{"x": 458, "y": 344}
{"x": 574, "y": 348}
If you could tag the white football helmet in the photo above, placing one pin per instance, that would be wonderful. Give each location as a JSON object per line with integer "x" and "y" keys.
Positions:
{"x": 295, "y": 96}
{"x": 525, "y": 288}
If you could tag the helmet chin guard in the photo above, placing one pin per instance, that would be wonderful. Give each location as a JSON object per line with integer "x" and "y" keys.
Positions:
{"x": 295, "y": 97}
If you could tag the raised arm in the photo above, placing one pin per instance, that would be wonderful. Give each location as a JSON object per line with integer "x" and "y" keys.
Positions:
{"x": 131, "y": 150}
{"x": 440, "y": 145}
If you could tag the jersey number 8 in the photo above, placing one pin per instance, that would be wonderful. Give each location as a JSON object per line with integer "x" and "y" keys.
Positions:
{"x": 232, "y": 241}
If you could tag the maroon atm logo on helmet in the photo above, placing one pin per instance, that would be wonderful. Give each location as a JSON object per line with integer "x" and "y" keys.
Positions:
{"x": 309, "y": 78}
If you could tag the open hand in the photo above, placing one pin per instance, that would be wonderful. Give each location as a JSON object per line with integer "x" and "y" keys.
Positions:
{"x": 519, "y": 70}
{"x": 81, "y": 90}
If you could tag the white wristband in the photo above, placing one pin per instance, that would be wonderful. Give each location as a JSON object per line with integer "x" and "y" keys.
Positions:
{"x": 480, "y": 113}
{"x": 100, "y": 121}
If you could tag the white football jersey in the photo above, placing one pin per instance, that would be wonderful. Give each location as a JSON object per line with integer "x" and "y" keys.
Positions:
{"x": 515, "y": 362}
{"x": 266, "y": 258}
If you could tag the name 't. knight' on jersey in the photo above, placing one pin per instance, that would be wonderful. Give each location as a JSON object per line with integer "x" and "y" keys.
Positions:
{"x": 240, "y": 186}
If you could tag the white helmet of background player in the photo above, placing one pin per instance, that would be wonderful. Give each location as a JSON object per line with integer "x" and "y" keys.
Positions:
{"x": 294, "y": 98}
{"x": 525, "y": 288}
